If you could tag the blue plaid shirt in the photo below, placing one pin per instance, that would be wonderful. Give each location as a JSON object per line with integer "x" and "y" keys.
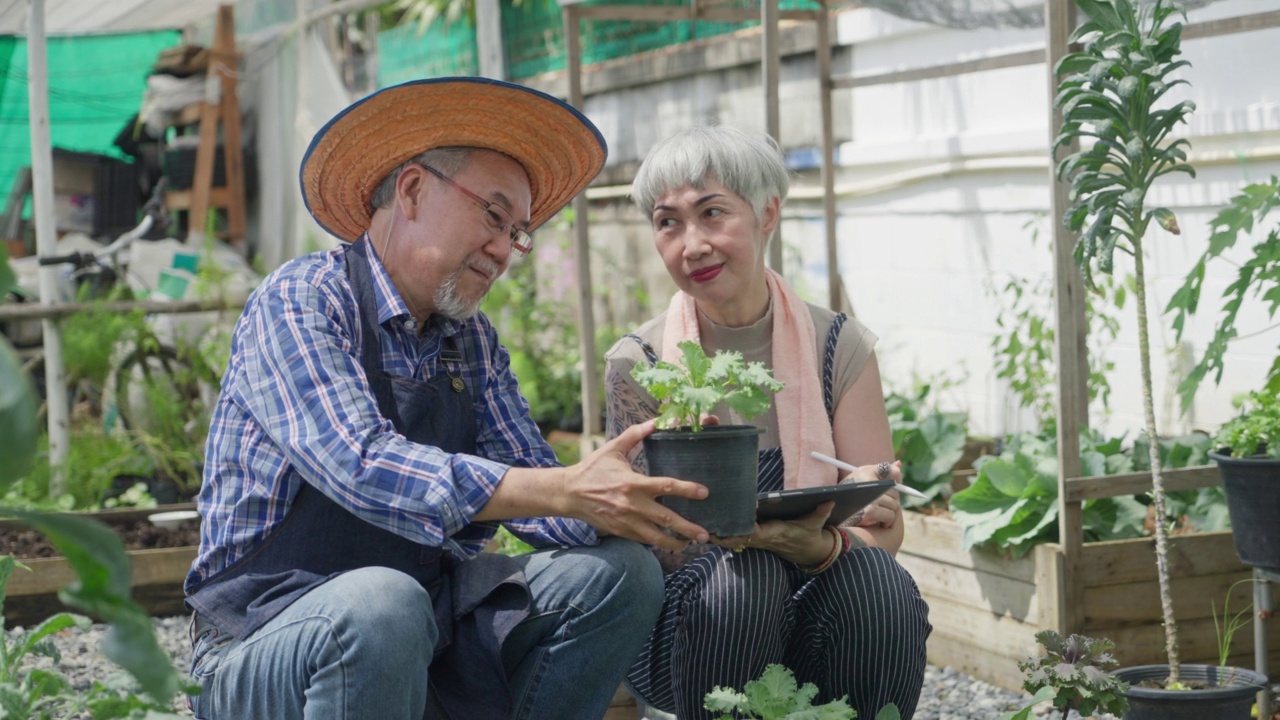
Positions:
{"x": 296, "y": 407}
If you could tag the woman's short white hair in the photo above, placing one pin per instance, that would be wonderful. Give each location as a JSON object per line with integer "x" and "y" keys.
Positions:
{"x": 749, "y": 164}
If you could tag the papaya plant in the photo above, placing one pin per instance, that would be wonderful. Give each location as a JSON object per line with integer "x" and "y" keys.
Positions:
{"x": 1113, "y": 97}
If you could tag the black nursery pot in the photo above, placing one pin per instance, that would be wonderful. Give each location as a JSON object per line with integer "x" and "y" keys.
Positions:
{"x": 726, "y": 459}
{"x": 1230, "y": 695}
{"x": 1253, "y": 501}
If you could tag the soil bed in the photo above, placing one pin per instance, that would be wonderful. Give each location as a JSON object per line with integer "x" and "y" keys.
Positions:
{"x": 136, "y": 535}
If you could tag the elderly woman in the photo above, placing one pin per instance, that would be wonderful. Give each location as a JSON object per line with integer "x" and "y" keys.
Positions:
{"x": 834, "y": 606}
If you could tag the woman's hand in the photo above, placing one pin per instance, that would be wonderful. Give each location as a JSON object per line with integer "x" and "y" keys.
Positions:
{"x": 802, "y": 541}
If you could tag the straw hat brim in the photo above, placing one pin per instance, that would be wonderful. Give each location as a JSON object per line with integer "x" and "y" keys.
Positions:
{"x": 559, "y": 148}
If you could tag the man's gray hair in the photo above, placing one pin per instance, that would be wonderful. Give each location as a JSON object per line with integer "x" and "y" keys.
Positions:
{"x": 448, "y": 160}
{"x": 749, "y": 164}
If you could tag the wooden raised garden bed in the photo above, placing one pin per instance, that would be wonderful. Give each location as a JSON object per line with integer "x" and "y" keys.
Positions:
{"x": 157, "y": 573}
{"x": 986, "y": 609}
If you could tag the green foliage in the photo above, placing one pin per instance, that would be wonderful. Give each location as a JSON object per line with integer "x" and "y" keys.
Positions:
{"x": 504, "y": 543}
{"x": 541, "y": 334}
{"x": 929, "y": 442}
{"x": 91, "y": 337}
{"x": 1024, "y": 344}
{"x": 94, "y": 460}
{"x": 101, "y": 587}
{"x": 688, "y": 391}
{"x": 1073, "y": 674}
{"x": 18, "y": 426}
{"x": 1256, "y": 431}
{"x": 1013, "y": 504}
{"x": 1257, "y": 277}
{"x": 775, "y": 696}
{"x": 1109, "y": 95}
{"x": 1228, "y": 624}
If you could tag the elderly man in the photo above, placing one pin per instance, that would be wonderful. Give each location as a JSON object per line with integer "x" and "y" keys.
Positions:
{"x": 370, "y": 436}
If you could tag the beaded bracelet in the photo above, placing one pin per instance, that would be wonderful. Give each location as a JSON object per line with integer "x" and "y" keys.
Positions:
{"x": 837, "y": 546}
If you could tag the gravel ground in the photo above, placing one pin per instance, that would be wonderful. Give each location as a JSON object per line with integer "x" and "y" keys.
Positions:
{"x": 947, "y": 694}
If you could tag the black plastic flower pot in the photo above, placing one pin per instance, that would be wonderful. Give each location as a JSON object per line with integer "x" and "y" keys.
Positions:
{"x": 1253, "y": 501}
{"x": 1228, "y": 693}
{"x": 724, "y": 458}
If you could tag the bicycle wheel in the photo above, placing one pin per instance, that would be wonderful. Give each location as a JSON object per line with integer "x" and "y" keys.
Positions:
{"x": 159, "y": 391}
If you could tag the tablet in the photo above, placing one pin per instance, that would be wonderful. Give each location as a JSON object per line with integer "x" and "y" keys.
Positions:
{"x": 849, "y": 499}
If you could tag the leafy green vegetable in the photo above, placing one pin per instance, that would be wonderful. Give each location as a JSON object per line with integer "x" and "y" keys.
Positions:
{"x": 1073, "y": 674}
{"x": 1257, "y": 429}
{"x": 929, "y": 442}
{"x": 688, "y": 391}
{"x": 775, "y": 696}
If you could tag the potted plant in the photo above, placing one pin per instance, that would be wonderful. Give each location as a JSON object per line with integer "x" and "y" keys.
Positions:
{"x": 1110, "y": 95}
{"x": 1249, "y": 460}
{"x": 724, "y": 458}
{"x": 777, "y": 696}
{"x": 1072, "y": 674}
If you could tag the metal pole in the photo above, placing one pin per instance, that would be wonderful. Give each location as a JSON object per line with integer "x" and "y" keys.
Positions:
{"x": 828, "y": 159}
{"x": 1262, "y": 612}
{"x": 46, "y": 240}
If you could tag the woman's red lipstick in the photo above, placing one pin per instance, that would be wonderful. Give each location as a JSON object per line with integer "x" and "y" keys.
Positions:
{"x": 706, "y": 274}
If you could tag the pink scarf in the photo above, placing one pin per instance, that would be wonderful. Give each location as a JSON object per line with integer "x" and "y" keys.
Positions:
{"x": 803, "y": 425}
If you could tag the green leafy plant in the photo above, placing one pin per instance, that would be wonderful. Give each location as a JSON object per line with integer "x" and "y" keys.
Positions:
{"x": 1226, "y": 625}
{"x": 1072, "y": 673}
{"x": 928, "y": 441}
{"x": 94, "y": 553}
{"x": 42, "y": 694}
{"x": 1013, "y": 503}
{"x": 686, "y": 392}
{"x": 1256, "y": 431}
{"x": 1110, "y": 96}
{"x": 776, "y": 696}
{"x": 1023, "y": 345}
{"x": 1257, "y": 277}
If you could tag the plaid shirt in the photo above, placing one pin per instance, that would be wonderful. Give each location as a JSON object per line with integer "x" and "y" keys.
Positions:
{"x": 296, "y": 407}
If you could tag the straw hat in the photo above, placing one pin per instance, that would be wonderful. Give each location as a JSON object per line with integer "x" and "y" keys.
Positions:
{"x": 558, "y": 147}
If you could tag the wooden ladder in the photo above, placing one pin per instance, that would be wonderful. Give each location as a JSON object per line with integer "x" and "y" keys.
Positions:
{"x": 220, "y": 107}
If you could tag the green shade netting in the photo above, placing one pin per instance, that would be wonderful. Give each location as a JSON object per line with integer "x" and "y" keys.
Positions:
{"x": 95, "y": 85}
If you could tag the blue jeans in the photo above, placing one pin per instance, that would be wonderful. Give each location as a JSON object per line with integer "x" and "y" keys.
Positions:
{"x": 359, "y": 645}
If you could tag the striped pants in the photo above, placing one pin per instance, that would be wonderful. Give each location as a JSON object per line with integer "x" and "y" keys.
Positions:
{"x": 858, "y": 629}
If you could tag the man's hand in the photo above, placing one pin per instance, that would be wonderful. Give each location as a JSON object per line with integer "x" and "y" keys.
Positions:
{"x": 607, "y": 493}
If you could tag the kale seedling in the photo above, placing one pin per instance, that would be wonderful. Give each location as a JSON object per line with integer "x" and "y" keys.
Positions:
{"x": 687, "y": 392}
{"x": 775, "y": 696}
{"x": 1072, "y": 673}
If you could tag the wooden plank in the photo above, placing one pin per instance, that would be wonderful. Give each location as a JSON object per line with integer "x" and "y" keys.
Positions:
{"x": 184, "y": 199}
{"x": 975, "y": 589}
{"x": 1232, "y": 25}
{"x": 940, "y": 538}
{"x": 116, "y": 515}
{"x": 933, "y": 72}
{"x": 225, "y": 62}
{"x": 770, "y": 79}
{"x": 149, "y": 567}
{"x": 975, "y": 661}
{"x": 1086, "y": 488}
{"x": 828, "y": 161}
{"x": 1130, "y": 561}
{"x": 1050, "y": 593}
{"x": 670, "y": 13}
{"x": 981, "y": 591}
{"x": 1139, "y": 603}
{"x": 1197, "y": 643}
{"x": 31, "y": 311}
{"x": 622, "y": 706}
{"x": 1211, "y": 28}
{"x": 999, "y": 635}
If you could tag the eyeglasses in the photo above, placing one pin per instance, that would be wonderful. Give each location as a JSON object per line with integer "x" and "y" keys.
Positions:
{"x": 496, "y": 218}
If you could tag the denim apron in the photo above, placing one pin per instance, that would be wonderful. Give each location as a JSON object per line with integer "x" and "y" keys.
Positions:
{"x": 477, "y": 602}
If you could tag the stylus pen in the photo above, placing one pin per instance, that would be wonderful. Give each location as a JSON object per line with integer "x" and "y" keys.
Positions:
{"x": 846, "y": 466}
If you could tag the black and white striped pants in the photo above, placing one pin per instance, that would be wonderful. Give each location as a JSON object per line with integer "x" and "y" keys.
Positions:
{"x": 858, "y": 629}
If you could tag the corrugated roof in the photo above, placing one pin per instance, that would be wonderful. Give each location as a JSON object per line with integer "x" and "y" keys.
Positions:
{"x": 77, "y": 17}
